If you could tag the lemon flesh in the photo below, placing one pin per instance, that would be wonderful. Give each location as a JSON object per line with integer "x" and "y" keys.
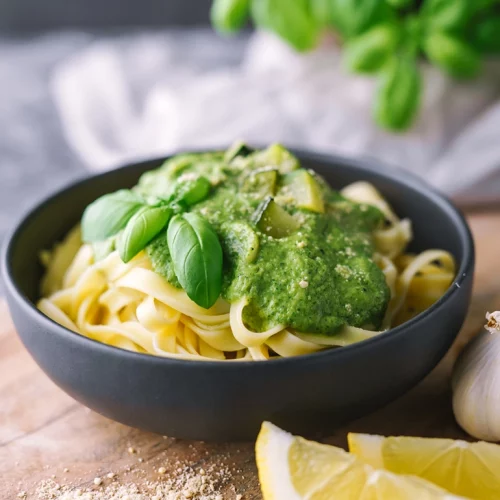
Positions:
{"x": 293, "y": 468}
{"x": 467, "y": 469}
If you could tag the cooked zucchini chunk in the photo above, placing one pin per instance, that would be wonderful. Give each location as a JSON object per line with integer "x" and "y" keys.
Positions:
{"x": 237, "y": 149}
{"x": 276, "y": 156}
{"x": 262, "y": 182}
{"x": 241, "y": 240}
{"x": 304, "y": 189}
{"x": 274, "y": 220}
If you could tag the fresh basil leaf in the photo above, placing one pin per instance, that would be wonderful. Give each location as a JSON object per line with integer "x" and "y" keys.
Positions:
{"x": 191, "y": 190}
{"x": 102, "y": 249}
{"x": 368, "y": 53}
{"x": 141, "y": 229}
{"x": 156, "y": 201}
{"x": 453, "y": 55}
{"x": 197, "y": 256}
{"x": 322, "y": 11}
{"x": 446, "y": 15}
{"x": 413, "y": 30}
{"x": 109, "y": 214}
{"x": 398, "y": 94}
{"x": 480, "y": 6}
{"x": 291, "y": 20}
{"x": 229, "y": 16}
{"x": 353, "y": 17}
{"x": 486, "y": 35}
{"x": 401, "y": 4}
{"x": 177, "y": 207}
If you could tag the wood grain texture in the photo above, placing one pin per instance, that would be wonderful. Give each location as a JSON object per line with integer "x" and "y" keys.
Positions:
{"x": 43, "y": 431}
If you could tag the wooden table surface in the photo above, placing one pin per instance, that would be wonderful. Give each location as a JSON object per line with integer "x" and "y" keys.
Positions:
{"x": 44, "y": 433}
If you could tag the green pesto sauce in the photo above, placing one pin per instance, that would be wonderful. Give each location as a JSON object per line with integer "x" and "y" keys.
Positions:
{"x": 317, "y": 279}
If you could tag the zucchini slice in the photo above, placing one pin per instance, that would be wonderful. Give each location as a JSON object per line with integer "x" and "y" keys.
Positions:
{"x": 240, "y": 239}
{"x": 274, "y": 220}
{"x": 304, "y": 189}
{"x": 262, "y": 182}
{"x": 277, "y": 156}
{"x": 237, "y": 149}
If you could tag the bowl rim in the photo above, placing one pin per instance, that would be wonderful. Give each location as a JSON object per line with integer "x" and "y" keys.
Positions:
{"x": 362, "y": 164}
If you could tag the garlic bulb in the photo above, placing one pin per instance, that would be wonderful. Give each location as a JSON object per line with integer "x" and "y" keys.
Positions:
{"x": 476, "y": 383}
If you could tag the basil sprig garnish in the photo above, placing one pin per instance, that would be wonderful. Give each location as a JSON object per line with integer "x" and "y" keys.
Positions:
{"x": 197, "y": 257}
{"x": 126, "y": 221}
{"x": 103, "y": 248}
{"x": 229, "y": 16}
{"x": 191, "y": 191}
{"x": 452, "y": 35}
{"x": 141, "y": 229}
{"x": 109, "y": 214}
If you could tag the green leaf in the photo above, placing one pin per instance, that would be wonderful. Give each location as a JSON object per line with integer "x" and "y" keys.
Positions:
{"x": 479, "y": 6}
{"x": 102, "y": 249}
{"x": 454, "y": 56}
{"x": 229, "y": 16}
{"x": 368, "y": 53}
{"x": 197, "y": 256}
{"x": 109, "y": 214}
{"x": 322, "y": 11}
{"x": 413, "y": 34}
{"x": 486, "y": 35}
{"x": 291, "y": 20}
{"x": 191, "y": 190}
{"x": 398, "y": 94}
{"x": 446, "y": 15}
{"x": 141, "y": 229}
{"x": 401, "y": 4}
{"x": 353, "y": 17}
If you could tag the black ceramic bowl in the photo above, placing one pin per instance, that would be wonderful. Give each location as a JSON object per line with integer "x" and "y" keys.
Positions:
{"x": 228, "y": 401}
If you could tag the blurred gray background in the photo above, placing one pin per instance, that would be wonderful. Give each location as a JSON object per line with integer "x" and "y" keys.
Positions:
{"x": 26, "y": 16}
{"x": 37, "y": 35}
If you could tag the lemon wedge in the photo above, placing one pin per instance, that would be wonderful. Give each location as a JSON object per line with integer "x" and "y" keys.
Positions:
{"x": 467, "y": 469}
{"x": 293, "y": 468}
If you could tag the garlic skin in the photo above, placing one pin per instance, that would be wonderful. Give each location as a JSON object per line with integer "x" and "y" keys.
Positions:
{"x": 476, "y": 383}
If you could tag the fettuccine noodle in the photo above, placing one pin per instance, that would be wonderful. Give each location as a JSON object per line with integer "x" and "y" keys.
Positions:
{"x": 131, "y": 307}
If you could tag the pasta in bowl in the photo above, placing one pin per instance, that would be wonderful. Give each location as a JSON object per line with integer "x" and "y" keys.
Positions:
{"x": 239, "y": 255}
{"x": 181, "y": 394}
